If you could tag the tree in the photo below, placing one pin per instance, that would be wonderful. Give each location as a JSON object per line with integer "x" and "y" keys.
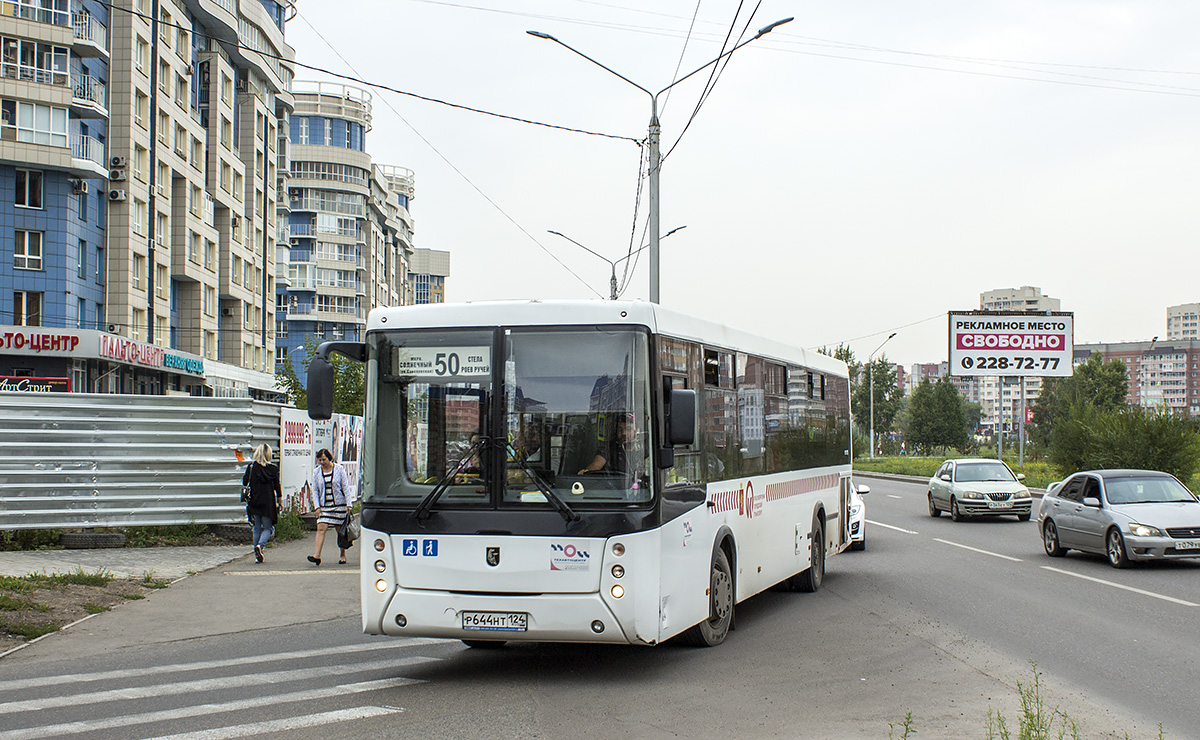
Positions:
{"x": 887, "y": 396}
{"x": 1129, "y": 437}
{"x": 348, "y": 380}
{"x": 952, "y": 421}
{"x": 1097, "y": 383}
{"x": 922, "y": 424}
{"x": 846, "y": 355}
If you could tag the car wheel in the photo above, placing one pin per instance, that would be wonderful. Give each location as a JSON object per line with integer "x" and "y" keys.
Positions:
{"x": 954, "y": 512}
{"x": 934, "y": 511}
{"x": 1115, "y": 549}
{"x": 712, "y": 631}
{"x": 1050, "y": 540}
{"x": 811, "y": 578}
{"x": 1023, "y": 517}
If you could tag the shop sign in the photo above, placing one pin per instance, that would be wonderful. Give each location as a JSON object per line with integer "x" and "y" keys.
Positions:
{"x": 148, "y": 355}
{"x": 37, "y": 341}
{"x": 25, "y": 384}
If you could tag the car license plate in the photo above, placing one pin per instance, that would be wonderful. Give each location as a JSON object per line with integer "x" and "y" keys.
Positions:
{"x": 999, "y": 504}
{"x": 498, "y": 621}
{"x": 1187, "y": 545}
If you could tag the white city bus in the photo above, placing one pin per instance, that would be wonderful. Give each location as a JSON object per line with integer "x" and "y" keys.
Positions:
{"x": 583, "y": 471}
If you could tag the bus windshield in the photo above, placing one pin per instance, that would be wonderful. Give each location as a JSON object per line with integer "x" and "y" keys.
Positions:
{"x": 573, "y": 422}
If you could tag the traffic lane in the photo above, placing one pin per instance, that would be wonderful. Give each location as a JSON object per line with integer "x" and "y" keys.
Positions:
{"x": 1123, "y": 645}
{"x": 903, "y": 504}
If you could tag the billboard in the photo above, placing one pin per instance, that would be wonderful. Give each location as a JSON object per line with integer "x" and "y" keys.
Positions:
{"x": 1011, "y": 344}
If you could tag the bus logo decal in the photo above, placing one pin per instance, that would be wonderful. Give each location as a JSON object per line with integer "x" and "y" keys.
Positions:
{"x": 493, "y": 556}
{"x": 568, "y": 557}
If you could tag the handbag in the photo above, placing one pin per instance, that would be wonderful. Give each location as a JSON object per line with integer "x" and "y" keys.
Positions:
{"x": 246, "y": 484}
{"x": 346, "y": 534}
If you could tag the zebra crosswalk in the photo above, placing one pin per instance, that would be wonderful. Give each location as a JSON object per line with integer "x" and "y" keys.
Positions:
{"x": 276, "y": 692}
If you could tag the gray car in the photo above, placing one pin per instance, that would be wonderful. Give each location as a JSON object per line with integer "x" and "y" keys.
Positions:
{"x": 1124, "y": 515}
{"x": 978, "y": 487}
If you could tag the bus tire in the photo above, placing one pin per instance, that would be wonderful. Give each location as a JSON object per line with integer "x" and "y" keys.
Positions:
{"x": 485, "y": 644}
{"x": 713, "y": 630}
{"x": 809, "y": 579}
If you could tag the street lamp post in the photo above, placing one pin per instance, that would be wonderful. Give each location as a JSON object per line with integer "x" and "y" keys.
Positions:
{"x": 612, "y": 282}
{"x": 654, "y": 132}
{"x": 871, "y": 389}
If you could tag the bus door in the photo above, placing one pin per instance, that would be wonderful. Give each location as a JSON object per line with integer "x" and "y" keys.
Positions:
{"x": 844, "y": 511}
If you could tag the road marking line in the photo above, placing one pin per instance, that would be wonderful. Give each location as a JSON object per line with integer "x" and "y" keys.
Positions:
{"x": 206, "y": 664}
{"x": 283, "y": 725}
{"x": 892, "y": 495}
{"x": 304, "y": 572}
{"x": 976, "y": 549}
{"x": 205, "y": 684}
{"x": 74, "y": 728}
{"x": 1117, "y": 585}
{"x": 888, "y": 526}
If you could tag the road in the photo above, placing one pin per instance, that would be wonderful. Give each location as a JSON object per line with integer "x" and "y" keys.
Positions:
{"x": 934, "y": 618}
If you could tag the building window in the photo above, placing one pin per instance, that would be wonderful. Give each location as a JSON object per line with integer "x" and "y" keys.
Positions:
{"x": 29, "y": 188}
{"x": 81, "y": 311}
{"x": 83, "y": 207}
{"x": 139, "y": 324}
{"x": 139, "y": 216}
{"x": 210, "y": 254}
{"x": 82, "y": 259}
{"x": 27, "y": 250}
{"x": 141, "y": 108}
{"x": 143, "y": 53}
{"x": 27, "y": 308}
{"x": 99, "y": 278}
{"x": 33, "y": 123}
{"x": 160, "y": 281}
{"x": 139, "y": 270}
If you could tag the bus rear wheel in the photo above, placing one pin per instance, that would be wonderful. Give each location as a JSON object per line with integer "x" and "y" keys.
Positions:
{"x": 713, "y": 630}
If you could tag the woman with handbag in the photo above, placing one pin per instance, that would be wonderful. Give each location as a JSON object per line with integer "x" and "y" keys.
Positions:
{"x": 266, "y": 496}
{"x": 331, "y": 499}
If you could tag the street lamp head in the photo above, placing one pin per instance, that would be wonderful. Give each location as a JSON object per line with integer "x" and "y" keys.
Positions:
{"x": 541, "y": 35}
{"x": 767, "y": 29}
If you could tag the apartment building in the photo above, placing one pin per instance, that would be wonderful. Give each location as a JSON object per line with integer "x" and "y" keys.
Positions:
{"x": 1002, "y": 399}
{"x": 349, "y": 231}
{"x": 1183, "y": 321}
{"x": 1161, "y": 374}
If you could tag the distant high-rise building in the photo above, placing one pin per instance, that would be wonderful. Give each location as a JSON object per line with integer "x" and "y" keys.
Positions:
{"x": 1183, "y": 321}
{"x": 1001, "y": 398}
{"x": 1025, "y": 298}
{"x": 1161, "y": 374}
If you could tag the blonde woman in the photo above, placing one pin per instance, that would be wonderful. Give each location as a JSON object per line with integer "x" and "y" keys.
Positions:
{"x": 266, "y": 497}
{"x": 331, "y": 499}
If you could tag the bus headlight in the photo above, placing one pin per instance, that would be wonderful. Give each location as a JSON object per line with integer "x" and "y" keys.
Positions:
{"x": 618, "y": 571}
{"x": 618, "y": 549}
{"x": 618, "y": 591}
{"x": 379, "y": 545}
{"x": 380, "y": 566}
{"x": 381, "y": 585}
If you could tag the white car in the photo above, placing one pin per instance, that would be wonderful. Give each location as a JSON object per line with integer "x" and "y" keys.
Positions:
{"x": 858, "y": 517}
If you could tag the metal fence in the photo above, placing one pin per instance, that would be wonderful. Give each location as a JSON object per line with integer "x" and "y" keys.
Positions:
{"x": 74, "y": 460}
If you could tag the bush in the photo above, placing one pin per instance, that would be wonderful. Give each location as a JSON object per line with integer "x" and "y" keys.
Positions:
{"x": 29, "y": 539}
{"x": 289, "y": 526}
{"x": 1135, "y": 437}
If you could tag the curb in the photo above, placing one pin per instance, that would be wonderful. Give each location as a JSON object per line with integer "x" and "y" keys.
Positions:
{"x": 1034, "y": 492}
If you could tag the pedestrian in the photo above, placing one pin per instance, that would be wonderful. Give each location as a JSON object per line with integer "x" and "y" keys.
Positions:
{"x": 266, "y": 497}
{"x": 330, "y": 498}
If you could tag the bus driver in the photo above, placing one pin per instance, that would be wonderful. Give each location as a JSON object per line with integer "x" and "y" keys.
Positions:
{"x": 623, "y": 457}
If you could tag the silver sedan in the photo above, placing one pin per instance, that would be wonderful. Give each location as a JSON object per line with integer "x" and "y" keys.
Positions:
{"x": 978, "y": 487}
{"x": 1124, "y": 515}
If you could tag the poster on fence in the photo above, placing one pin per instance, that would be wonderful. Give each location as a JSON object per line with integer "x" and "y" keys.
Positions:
{"x": 299, "y": 440}
{"x": 348, "y": 438}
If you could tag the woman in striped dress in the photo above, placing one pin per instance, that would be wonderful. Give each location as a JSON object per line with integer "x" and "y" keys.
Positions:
{"x": 331, "y": 499}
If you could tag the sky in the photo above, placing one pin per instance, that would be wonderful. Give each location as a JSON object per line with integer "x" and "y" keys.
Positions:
{"x": 861, "y": 170}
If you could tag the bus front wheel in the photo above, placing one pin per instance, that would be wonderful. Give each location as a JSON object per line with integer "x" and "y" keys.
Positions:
{"x": 485, "y": 644}
{"x": 713, "y": 630}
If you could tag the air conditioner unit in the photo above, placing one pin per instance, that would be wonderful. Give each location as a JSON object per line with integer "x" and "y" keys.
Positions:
{"x": 241, "y": 85}
{"x": 116, "y": 175}
{"x": 226, "y": 311}
{"x": 79, "y": 186}
{"x": 118, "y": 162}
{"x": 236, "y": 222}
{"x": 191, "y": 69}
{"x": 295, "y": 242}
{"x": 116, "y": 195}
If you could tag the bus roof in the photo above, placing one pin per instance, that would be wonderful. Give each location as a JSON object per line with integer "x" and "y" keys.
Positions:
{"x": 589, "y": 313}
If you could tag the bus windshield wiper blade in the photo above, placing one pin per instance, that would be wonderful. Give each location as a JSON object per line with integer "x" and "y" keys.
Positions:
{"x": 559, "y": 505}
{"x": 443, "y": 484}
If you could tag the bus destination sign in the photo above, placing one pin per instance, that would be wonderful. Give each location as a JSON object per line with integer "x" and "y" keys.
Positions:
{"x": 443, "y": 362}
{"x": 1011, "y": 344}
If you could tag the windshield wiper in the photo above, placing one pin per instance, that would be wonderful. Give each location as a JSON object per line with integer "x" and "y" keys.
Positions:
{"x": 559, "y": 505}
{"x": 443, "y": 484}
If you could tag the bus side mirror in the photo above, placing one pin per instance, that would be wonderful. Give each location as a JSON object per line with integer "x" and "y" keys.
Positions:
{"x": 681, "y": 428}
{"x": 320, "y": 388}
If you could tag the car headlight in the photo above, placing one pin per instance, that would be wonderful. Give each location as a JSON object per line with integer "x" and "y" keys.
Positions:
{"x": 854, "y": 510}
{"x": 1023, "y": 493}
{"x": 972, "y": 494}
{"x": 1144, "y": 530}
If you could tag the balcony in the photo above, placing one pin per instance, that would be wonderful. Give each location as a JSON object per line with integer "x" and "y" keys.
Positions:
{"x": 89, "y": 97}
{"x": 91, "y": 37}
{"x": 87, "y": 155}
{"x": 34, "y": 13}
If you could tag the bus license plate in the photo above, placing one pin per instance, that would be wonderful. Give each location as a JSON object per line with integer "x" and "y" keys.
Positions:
{"x": 1187, "y": 545}
{"x": 999, "y": 504}
{"x": 498, "y": 621}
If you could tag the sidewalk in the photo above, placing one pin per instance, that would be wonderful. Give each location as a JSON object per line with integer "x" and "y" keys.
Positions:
{"x": 229, "y": 593}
